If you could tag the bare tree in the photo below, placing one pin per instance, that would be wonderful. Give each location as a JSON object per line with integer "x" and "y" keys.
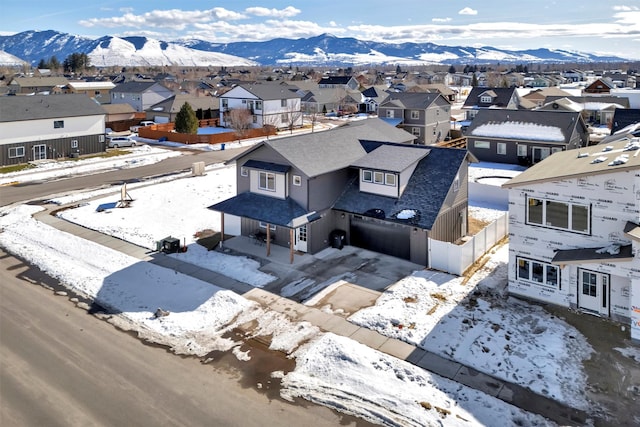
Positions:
{"x": 240, "y": 120}
{"x": 293, "y": 118}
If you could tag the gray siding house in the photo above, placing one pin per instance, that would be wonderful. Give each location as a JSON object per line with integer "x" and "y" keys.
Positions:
{"x": 524, "y": 137}
{"x": 362, "y": 180}
{"x": 49, "y": 127}
{"x": 427, "y": 116}
{"x": 140, "y": 95}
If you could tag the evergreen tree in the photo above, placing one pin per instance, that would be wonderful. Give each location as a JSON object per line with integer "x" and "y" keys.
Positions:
{"x": 452, "y": 69}
{"x": 474, "y": 80}
{"x": 186, "y": 120}
{"x": 76, "y": 62}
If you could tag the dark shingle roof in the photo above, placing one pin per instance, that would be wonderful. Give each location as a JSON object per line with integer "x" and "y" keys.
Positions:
{"x": 133, "y": 87}
{"x": 502, "y": 96}
{"x": 410, "y": 100}
{"x": 267, "y": 166}
{"x": 270, "y": 91}
{"x": 280, "y": 212}
{"x": 425, "y": 192}
{"x": 391, "y": 159}
{"x": 624, "y": 117}
{"x": 20, "y": 108}
{"x": 318, "y": 153}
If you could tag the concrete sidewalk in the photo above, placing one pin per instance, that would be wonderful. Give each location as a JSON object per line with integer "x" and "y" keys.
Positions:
{"x": 508, "y": 392}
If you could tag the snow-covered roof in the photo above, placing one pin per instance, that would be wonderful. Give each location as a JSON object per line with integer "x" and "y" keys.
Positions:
{"x": 520, "y": 130}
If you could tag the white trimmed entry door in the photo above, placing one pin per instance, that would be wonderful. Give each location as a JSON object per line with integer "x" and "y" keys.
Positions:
{"x": 301, "y": 239}
{"x": 593, "y": 292}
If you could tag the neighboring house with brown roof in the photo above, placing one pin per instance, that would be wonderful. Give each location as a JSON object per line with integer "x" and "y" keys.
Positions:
{"x": 119, "y": 112}
{"x": 574, "y": 238}
{"x": 595, "y": 109}
{"x": 42, "y": 127}
{"x": 600, "y": 86}
{"x": 37, "y": 85}
{"x": 427, "y": 116}
{"x": 538, "y": 96}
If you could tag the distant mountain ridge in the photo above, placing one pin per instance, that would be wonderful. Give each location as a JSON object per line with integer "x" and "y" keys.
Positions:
{"x": 325, "y": 49}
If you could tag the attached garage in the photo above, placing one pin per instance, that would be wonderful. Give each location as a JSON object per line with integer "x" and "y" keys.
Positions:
{"x": 380, "y": 236}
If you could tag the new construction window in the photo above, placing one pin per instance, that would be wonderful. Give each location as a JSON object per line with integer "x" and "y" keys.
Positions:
{"x": 538, "y": 272}
{"x": 559, "y": 215}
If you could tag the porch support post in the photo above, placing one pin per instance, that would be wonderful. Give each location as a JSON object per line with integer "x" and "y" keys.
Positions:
{"x": 291, "y": 235}
{"x": 268, "y": 239}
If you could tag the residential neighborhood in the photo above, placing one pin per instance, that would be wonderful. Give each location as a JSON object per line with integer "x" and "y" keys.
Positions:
{"x": 472, "y": 198}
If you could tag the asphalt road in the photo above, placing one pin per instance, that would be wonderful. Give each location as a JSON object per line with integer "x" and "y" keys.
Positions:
{"x": 10, "y": 194}
{"x": 63, "y": 367}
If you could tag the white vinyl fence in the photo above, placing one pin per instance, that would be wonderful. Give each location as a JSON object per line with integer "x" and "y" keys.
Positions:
{"x": 455, "y": 259}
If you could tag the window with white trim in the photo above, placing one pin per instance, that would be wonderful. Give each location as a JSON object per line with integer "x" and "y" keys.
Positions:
{"x": 538, "y": 272}
{"x": 297, "y": 180}
{"x": 74, "y": 143}
{"x": 58, "y": 124}
{"x": 456, "y": 183}
{"x": 482, "y": 144}
{"x": 559, "y": 215}
{"x": 367, "y": 176}
{"x": 522, "y": 150}
{"x": 390, "y": 179}
{"x": 390, "y": 114}
{"x": 485, "y": 99}
{"x": 378, "y": 178}
{"x": 415, "y": 131}
{"x": 244, "y": 171}
{"x": 267, "y": 181}
{"x": 501, "y": 148}
{"x": 415, "y": 114}
{"x": 16, "y": 152}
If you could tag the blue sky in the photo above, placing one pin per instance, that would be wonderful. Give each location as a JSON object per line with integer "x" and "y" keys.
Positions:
{"x": 596, "y": 26}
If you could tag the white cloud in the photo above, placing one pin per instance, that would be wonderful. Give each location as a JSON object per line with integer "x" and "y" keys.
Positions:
{"x": 287, "y": 12}
{"x": 441, "y": 20}
{"x": 172, "y": 18}
{"x": 333, "y": 24}
{"x": 468, "y": 11}
{"x": 624, "y": 8}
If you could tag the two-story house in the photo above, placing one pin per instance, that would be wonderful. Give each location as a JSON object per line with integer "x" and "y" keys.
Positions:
{"x": 484, "y": 98}
{"x": 364, "y": 180}
{"x": 49, "y": 127}
{"x": 524, "y": 137}
{"x": 574, "y": 237}
{"x": 141, "y": 95}
{"x": 269, "y": 104}
{"x": 427, "y": 116}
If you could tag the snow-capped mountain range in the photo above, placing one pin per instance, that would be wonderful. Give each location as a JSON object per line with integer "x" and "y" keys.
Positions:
{"x": 326, "y": 49}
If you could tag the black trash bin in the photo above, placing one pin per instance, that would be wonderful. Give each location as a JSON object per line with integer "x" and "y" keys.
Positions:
{"x": 337, "y": 238}
{"x": 170, "y": 245}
